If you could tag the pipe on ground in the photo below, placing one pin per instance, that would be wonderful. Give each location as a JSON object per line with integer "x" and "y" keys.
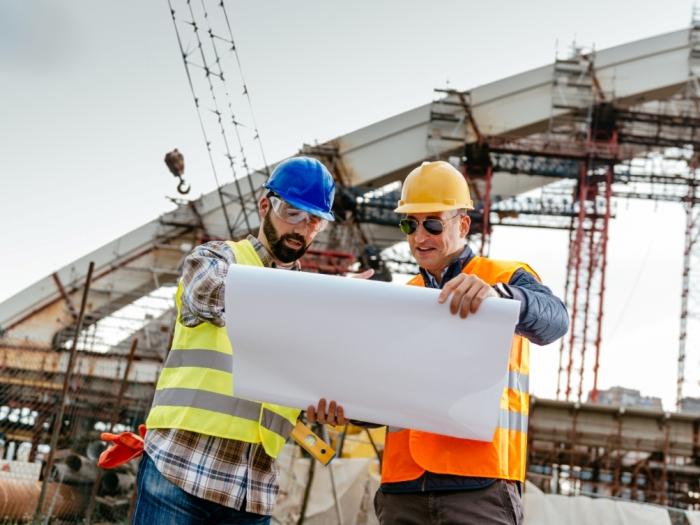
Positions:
{"x": 114, "y": 483}
{"x": 19, "y": 498}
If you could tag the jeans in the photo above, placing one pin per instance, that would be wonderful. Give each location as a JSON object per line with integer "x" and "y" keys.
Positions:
{"x": 159, "y": 502}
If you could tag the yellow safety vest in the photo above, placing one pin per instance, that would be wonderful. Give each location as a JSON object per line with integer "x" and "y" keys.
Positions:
{"x": 195, "y": 389}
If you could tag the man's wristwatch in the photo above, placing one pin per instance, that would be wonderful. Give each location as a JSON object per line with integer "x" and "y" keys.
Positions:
{"x": 503, "y": 290}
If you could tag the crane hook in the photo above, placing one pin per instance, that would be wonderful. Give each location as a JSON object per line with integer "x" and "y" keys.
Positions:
{"x": 183, "y": 188}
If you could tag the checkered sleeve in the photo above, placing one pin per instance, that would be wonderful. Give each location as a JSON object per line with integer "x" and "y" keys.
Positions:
{"x": 203, "y": 277}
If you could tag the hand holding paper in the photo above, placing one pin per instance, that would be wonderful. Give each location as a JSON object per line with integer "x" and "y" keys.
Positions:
{"x": 388, "y": 354}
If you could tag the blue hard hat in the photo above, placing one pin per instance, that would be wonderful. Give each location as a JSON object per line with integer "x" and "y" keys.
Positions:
{"x": 306, "y": 184}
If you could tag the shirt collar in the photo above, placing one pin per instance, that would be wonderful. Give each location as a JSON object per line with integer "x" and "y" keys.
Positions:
{"x": 452, "y": 270}
{"x": 266, "y": 256}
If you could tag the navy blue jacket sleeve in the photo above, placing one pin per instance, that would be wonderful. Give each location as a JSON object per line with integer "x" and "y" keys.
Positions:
{"x": 543, "y": 316}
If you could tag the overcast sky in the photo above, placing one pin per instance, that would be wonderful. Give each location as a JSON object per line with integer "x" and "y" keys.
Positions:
{"x": 93, "y": 93}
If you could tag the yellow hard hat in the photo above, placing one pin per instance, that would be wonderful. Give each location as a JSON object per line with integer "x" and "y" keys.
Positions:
{"x": 433, "y": 187}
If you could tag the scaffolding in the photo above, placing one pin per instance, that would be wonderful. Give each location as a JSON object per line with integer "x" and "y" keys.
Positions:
{"x": 610, "y": 451}
{"x": 453, "y": 121}
{"x": 572, "y": 97}
{"x": 690, "y": 307}
{"x": 595, "y": 143}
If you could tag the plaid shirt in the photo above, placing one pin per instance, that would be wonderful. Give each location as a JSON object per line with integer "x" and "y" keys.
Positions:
{"x": 231, "y": 473}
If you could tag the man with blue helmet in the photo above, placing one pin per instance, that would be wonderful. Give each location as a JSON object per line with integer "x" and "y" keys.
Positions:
{"x": 210, "y": 457}
{"x": 300, "y": 190}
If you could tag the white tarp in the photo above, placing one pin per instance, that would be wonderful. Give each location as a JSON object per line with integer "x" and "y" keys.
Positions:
{"x": 389, "y": 354}
{"x": 355, "y": 486}
{"x": 553, "y": 509}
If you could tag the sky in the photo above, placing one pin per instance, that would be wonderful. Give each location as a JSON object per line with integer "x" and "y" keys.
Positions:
{"x": 93, "y": 93}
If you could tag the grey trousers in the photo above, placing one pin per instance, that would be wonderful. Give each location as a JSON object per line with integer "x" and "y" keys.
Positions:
{"x": 499, "y": 504}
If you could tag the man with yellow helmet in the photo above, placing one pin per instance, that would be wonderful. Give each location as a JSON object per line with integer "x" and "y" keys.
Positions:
{"x": 430, "y": 478}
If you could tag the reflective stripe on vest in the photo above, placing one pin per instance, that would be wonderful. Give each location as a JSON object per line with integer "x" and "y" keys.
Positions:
{"x": 180, "y": 397}
{"x": 508, "y": 420}
{"x": 518, "y": 381}
{"x": 200, "y": 358}
{"x": 409, "y": 453}
{"x": 195, "y": 388}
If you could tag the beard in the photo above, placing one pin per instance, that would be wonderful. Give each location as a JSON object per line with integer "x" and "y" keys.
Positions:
{"x": 281, "y": 251}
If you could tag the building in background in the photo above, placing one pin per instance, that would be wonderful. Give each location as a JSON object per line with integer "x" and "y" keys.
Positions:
{"x": 628, "y": 397}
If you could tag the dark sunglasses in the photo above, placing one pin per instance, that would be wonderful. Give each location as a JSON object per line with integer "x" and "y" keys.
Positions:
{"x": 432, "y": 226}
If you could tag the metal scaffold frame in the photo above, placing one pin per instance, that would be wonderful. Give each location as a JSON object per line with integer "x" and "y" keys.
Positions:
{"x": 689, "y": 303}
{"x": 585, "y": 283}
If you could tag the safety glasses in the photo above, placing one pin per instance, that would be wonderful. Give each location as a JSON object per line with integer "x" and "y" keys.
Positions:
{"x": 409, "y": 225}
{"x": 292, "y": 215}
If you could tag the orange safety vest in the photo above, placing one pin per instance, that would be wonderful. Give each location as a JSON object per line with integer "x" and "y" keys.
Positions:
{"x": 409, "y": 453}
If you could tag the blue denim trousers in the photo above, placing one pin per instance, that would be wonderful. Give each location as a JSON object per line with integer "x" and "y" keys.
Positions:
{"x": 159, "y": 502}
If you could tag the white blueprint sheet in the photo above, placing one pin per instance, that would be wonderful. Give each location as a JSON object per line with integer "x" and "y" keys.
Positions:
{"x": 389, "y": 354}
